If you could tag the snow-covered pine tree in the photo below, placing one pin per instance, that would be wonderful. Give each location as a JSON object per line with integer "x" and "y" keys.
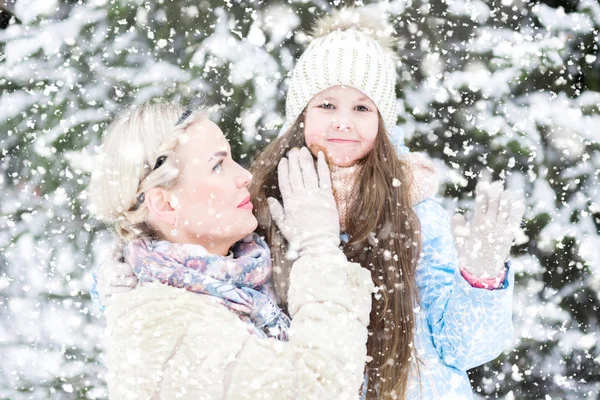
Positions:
{"x": 511, "y": 88}
{"x": 65, "y": 69}
{"x": 507, "y": 86}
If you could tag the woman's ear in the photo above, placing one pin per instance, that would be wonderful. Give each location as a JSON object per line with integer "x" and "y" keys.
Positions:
{"x": 159, "y": 205}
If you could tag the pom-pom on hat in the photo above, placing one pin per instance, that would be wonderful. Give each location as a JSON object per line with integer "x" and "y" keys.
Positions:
{"x": 349, "y": 48}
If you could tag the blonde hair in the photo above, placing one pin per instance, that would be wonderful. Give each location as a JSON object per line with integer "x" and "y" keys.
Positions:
{"x": 124, "y": 169}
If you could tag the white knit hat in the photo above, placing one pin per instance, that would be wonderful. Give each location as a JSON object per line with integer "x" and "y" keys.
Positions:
{"x": 350, "y": 52}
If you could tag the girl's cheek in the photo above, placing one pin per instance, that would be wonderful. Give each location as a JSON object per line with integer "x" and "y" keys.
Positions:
{"x": 369, "y": 134}
{"x": 311, "y": 137}
{"x": 370, "y": 145}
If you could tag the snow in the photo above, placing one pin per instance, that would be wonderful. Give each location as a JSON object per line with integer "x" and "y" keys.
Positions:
{"x": 279, "y": 21}
{"x": 558, "y": 20}
{"x": 476, "y": 10}
{"x": 497, "y": 94}
{"x": 16, "y": 50}
{"x": 480, "y": 79}
{"x": 12, "y": 103}
{"x": 29, "y": 10}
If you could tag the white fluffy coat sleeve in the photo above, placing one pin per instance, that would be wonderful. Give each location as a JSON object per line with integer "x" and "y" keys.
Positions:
{"x": 167, "y": 343}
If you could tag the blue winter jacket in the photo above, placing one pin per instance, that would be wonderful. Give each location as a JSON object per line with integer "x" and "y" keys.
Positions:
{"x": 458, "y": 326}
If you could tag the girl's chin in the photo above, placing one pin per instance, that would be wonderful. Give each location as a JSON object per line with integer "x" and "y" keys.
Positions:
{"x": 334, "y": 157}
{"x": 343, "y": 161}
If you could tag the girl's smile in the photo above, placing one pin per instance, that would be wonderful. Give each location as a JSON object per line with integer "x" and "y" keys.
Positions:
{"x": 343, "y": 141}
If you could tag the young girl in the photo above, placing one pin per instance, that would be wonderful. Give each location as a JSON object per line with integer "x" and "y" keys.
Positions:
{"x": 437, "y": 312}
{"x": 204, "y": 323}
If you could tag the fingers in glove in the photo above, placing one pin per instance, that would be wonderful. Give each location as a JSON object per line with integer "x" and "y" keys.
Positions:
{"x": 283, "y": 177}
{"x": 461, "y": 232}
{"x": 110, "y": 269}
{"x": 114, "y": 275}
{"x": 324, "y": 174}
{"x": 117, "y": 251}
{"x": 516, "y": 215}
{"x": 296, "y": 181}
{"x": 123, "y": 281}
{"x": 119, "y": 289}
{"x": 481, "y": 200}
{"x": 277, "y": 212}
{"x": 309, "y": 174}
{"x": 107, "y": 299}
{"x": 494, "y": 192}
{"x": 459, "y": 225}
{"x": 505, "y": 205}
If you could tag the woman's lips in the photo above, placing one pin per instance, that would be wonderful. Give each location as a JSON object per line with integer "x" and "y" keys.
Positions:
{"x": 246, "y": 204}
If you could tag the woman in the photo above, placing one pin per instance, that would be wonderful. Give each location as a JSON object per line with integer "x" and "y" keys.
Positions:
{"x": 204, "y": 323}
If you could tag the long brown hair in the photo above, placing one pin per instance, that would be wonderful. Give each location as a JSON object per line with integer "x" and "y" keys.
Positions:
{"x": 384, "y": 236}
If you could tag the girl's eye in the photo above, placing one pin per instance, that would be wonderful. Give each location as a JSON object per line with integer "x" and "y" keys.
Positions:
{"x": 362, "y": 108}
{"x": 218, "y": 166}
{"x": 327, "y": 106}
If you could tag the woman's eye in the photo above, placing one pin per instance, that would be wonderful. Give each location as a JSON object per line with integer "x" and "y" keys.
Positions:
{"x": 327, "y": 106}
{"x": 218, "y": 166}
{"x": 362, "y": 108}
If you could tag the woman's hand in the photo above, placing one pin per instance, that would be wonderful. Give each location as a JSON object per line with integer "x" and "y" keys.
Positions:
{"x": 309, "y": 219}
{"x": 484, "y": 245}
{"x": 114, "y": 276}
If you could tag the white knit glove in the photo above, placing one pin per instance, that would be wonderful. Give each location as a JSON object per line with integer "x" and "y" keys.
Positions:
{"x": 309, "y": 218}
{"x": 484, "y": 245}
{"x": 114, "y": 276}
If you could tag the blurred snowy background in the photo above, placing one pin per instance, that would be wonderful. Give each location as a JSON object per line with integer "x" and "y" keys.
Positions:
{"x": 508, "y": 86}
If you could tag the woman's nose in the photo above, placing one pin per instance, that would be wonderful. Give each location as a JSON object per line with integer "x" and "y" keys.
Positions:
{"x": 244, "y": 178}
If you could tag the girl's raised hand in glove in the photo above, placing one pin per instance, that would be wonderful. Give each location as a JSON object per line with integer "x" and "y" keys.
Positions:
{"x": 309, "y": 218}
{"x": 484, "y": 244}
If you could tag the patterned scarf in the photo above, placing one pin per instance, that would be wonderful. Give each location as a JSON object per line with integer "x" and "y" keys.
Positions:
{"x": 241, "y": 280}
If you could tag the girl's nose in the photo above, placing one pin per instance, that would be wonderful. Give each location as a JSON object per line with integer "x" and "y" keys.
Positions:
{"x": 341, "y": 124}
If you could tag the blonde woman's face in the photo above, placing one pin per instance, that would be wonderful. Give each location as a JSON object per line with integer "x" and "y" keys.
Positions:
{"x": 212, "y": 198}
{"x": 343, "y": 121}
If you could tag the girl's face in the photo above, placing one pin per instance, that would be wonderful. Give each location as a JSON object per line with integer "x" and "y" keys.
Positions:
{"x": 211, "y": 199}
{"x": 343, "y": 121}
